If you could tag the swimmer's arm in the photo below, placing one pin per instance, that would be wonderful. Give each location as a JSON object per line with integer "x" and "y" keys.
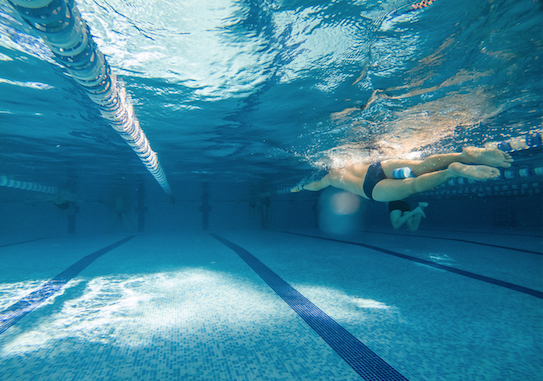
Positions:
{"x": 315, "y": 186}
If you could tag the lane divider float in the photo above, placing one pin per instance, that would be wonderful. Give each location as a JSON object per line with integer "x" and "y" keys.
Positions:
{"x": 59, "y": 24}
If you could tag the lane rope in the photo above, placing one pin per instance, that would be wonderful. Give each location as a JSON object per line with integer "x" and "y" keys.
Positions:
{"x": 59, "y": 24}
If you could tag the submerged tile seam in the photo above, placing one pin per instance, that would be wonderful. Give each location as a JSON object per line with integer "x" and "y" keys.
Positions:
{"x": 496, "y": 282}
{"x": 459, "y": 240}
{"x": 20, "y": 243}
{"x": 29, "y": 303}
{"x": 500, "y": 233}
{"x": 366, "y": 363}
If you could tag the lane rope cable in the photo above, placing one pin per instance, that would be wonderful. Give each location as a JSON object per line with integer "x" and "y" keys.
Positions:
{"x": 59, "y": 24}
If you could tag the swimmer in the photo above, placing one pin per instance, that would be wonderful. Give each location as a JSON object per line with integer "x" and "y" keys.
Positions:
{"x": 62, "y": 204}
{"x": 377, "y": 182}
{"x": 401, "y": 213}
{"x": 121, "y": 206}
{"x": 65, "y": 202}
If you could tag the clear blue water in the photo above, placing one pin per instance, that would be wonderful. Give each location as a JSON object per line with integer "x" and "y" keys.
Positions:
{"x": 246, "y": 91}
{"x": 241, "y": 100}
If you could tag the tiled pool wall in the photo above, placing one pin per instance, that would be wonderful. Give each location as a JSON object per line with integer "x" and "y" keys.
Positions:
{"x": 236, "y": 209}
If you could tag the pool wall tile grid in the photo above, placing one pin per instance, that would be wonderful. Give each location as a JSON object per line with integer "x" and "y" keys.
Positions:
{"x": 138, "y": 313}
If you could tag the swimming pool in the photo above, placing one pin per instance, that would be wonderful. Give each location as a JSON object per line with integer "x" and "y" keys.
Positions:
{"x": 206, "y": 266}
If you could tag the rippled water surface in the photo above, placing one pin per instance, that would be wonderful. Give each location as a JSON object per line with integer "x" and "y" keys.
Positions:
{"x": 270, "y": 90}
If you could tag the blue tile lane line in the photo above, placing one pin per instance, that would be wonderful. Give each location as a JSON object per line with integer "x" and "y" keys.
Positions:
{"x": 497, "y": 282}
{"x": 23, "y": 307}
{"x": 460, "y": 240}
{"x": 363, "y": 360}
{"x": 20, "y": 243}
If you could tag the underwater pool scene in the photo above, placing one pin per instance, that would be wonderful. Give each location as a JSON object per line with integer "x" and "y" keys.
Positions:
{"x": 271, "y": 190}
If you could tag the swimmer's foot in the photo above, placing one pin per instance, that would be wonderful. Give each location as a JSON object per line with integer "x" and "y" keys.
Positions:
{"x": 492, "y": 157}
{"x": 423, "y": 205}
{"x": 475, "y": 172}
{"x": 297, "y": 188}
{"x": 418, "y": 210}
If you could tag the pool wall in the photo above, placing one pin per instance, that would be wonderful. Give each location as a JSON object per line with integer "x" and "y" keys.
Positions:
{"x": 236, "y": 210}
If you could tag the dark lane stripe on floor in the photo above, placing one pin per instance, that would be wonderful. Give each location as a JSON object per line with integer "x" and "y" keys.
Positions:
{"x": 497, "y": 282}
{"x": 20, "y": 243}
{"x": 363, "y": 360}
{"x": 458, "y": 240}
{"x": 23, "y": 307}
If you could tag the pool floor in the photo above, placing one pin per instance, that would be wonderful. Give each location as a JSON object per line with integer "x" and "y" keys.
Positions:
{"x": 273, "y": 305}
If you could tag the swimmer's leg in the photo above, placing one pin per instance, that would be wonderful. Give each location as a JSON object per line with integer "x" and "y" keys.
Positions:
{"x": 410, "y": 218}
{"x": 469, "y": 155}
{"x": 413, "y": 223}
{"x": 419, "y": 167}
{"x": 392, "y": 189}
{"x": 491, "y": 157}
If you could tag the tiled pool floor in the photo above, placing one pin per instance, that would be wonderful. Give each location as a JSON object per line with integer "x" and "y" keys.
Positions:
{"x": 187, "y": 307}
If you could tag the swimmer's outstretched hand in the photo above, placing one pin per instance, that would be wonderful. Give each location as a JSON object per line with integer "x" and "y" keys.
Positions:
{"x": 297, "y": 188}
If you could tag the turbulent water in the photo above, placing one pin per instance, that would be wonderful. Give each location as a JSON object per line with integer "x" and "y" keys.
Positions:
{"x": 269, "y": 90}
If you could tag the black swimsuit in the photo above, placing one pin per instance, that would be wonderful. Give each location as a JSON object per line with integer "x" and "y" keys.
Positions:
{"x": 400, "y": 205}
{"x": 374, "y": 174}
